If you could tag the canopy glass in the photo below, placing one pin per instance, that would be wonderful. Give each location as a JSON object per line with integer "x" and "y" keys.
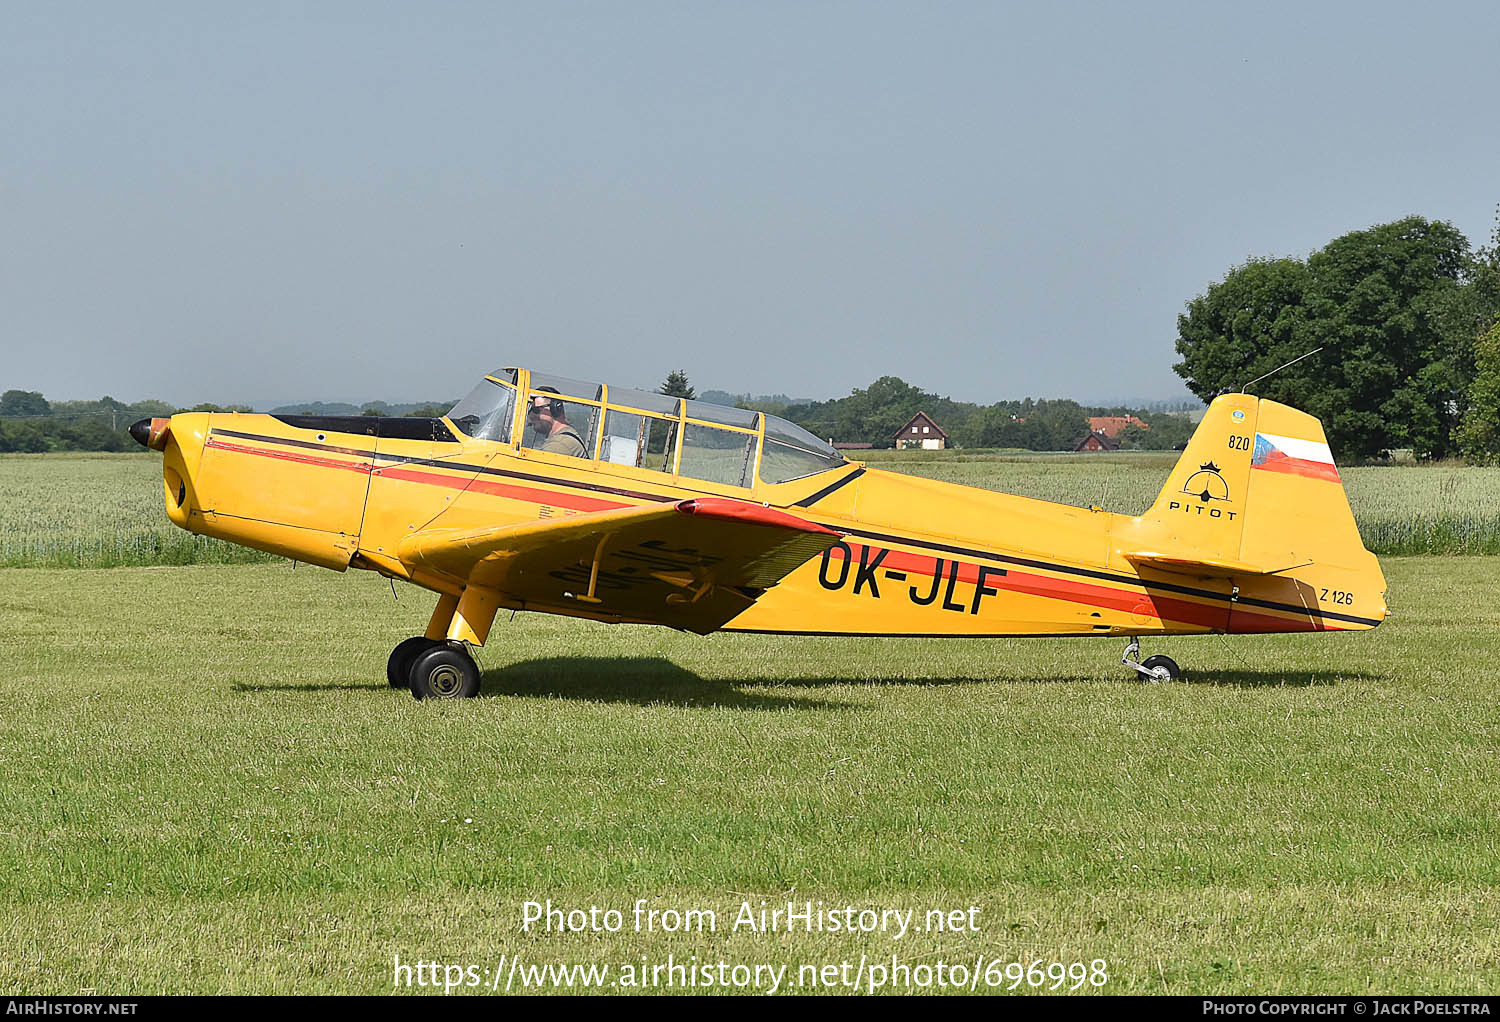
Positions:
{"x": 689, "y": 439}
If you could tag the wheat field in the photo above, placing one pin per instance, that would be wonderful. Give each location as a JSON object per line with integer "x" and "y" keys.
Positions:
{"x": 106, "y": 510}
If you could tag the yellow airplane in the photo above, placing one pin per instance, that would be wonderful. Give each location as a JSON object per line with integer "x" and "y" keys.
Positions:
{"x": 549, "y": 494}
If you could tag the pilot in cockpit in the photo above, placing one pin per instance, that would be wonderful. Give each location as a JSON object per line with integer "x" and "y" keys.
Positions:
{"x": 548, "y": 417}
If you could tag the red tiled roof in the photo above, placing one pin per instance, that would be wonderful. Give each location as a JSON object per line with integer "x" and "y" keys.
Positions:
{"x": 1112, "y": 425}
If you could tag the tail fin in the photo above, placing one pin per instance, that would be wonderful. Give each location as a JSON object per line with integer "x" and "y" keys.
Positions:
{"x": 1199, "y": 516}
{"x": 1255, "y": 506}
{"x": 1256, "y": 492}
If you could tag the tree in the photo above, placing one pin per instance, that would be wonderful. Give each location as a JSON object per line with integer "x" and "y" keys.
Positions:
{"x": 209, "y": 406}
{"x": 874, "y": 414}
{"x": 29, "y": 403}
{"x": 90, "y": 434}
{"x": 1033, "y": 425}
{"x": 1379, "y": 298}
{"x": 1246, "y": 325}
{"x": 677, "y": 385}
{"x": 1167, "y": 432}
{"x": 1391, "y": 373}
{"x": 1005, "y": 425}
{"x": 1063, "y": 422}
{"x": 25, "y": 436}
{"x": 1478, "y": 436}
{"x": 1474, "y": 317}
{"x": 151, "y": 409}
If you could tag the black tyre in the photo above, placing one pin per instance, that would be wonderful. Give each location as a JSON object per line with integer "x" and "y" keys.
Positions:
{"x": 446, "y": 671}
{"x": 398, "y": 667}
{"x": 1156, "y": 664}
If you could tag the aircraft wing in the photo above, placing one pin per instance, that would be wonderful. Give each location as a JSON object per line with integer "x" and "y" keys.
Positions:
{"x": 692, "y": 564}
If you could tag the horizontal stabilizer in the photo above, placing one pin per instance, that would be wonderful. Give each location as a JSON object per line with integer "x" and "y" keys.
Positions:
{"x": 1205, "y": 567}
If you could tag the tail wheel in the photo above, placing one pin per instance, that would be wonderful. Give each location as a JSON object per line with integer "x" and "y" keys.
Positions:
{"x": 1162, "y": 668}
{"x": 446, "y": 671}
{"x": 398, "y": 667}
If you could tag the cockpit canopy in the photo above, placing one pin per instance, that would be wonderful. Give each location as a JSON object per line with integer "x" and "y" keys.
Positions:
{"x": 620, "y": 426}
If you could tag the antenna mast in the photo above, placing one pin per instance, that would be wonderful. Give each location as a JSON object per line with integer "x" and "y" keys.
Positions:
{"x": 1246, "y": 388}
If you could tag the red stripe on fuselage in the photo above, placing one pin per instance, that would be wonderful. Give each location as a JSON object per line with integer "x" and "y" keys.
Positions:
{"x": 299, "y": 458}
{"x": 1165, "y": 608}
{"x": 496, "y": 489}
{"x": 568, "y": 500}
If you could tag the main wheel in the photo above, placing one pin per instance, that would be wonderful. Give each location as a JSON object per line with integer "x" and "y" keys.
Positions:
{"x": 1162, "y": 668}
{"x": 446, "y": 671}
{"x": 398, "y": 667}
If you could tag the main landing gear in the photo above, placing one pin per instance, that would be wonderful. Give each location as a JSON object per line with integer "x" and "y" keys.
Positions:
{"x": 433, "y": 669}
{"x": 1153, "y": 669}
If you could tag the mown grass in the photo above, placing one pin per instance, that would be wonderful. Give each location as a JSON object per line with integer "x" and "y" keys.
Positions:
{"x": 206, "y": 785}
{"x": 104, "y": 511}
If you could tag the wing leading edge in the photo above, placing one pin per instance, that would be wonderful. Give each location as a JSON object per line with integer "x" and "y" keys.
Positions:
{"x": 693, "y": 564}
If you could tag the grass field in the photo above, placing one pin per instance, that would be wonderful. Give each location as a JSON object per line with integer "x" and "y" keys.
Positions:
{"x": 1416, "y": 509}
{"x": 96, "y": 511}
{"x": 103, "y": 511}
{"x": 206, "y": 785}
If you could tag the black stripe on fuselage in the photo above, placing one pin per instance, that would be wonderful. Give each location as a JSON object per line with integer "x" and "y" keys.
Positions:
{"x": 392, "y": 427}
{"x": 448, "y": 463}
{"x": 1109, "y": 576}
{"x": 285, "y": 442}
{"x": 825, "y": 491}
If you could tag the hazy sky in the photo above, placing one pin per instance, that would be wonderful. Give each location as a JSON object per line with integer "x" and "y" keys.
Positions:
{"x": 263, "y": 203}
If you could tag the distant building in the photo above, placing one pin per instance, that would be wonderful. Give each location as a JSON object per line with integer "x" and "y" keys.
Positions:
{"x": 921, "y": 431}
{"x": 1096, "y": 441}
{"x": 1113, "y": 425}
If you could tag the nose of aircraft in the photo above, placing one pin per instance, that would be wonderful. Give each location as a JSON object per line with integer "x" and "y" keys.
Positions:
{"x": 151, "y": 433}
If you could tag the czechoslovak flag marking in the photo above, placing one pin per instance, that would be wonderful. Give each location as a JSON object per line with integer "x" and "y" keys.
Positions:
{"x": 1287, "y": 454}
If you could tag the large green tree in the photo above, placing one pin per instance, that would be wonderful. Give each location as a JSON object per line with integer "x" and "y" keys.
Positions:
{"x": 1167, "y": 432}
{"x": 1046, "y": 425}
{"x": 1475, "y": 322}
{"x": 1246, "y": 325}
{"x": 22, "y": 436}
{"x": 23, "y": 403}
{"x": 1478, "y": 436}
{"x": 1378, "y": 301}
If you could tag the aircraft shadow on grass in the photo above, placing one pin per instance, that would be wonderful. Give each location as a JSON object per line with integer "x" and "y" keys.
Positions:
{"x": 1238, "y": 678}
{"x": 1269, "y": 678}
{"x": 917, "y": 682}
{"x": 656, "y": 680}
{"x": 298, "y": 687}
{"x": 642, "y": 680}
